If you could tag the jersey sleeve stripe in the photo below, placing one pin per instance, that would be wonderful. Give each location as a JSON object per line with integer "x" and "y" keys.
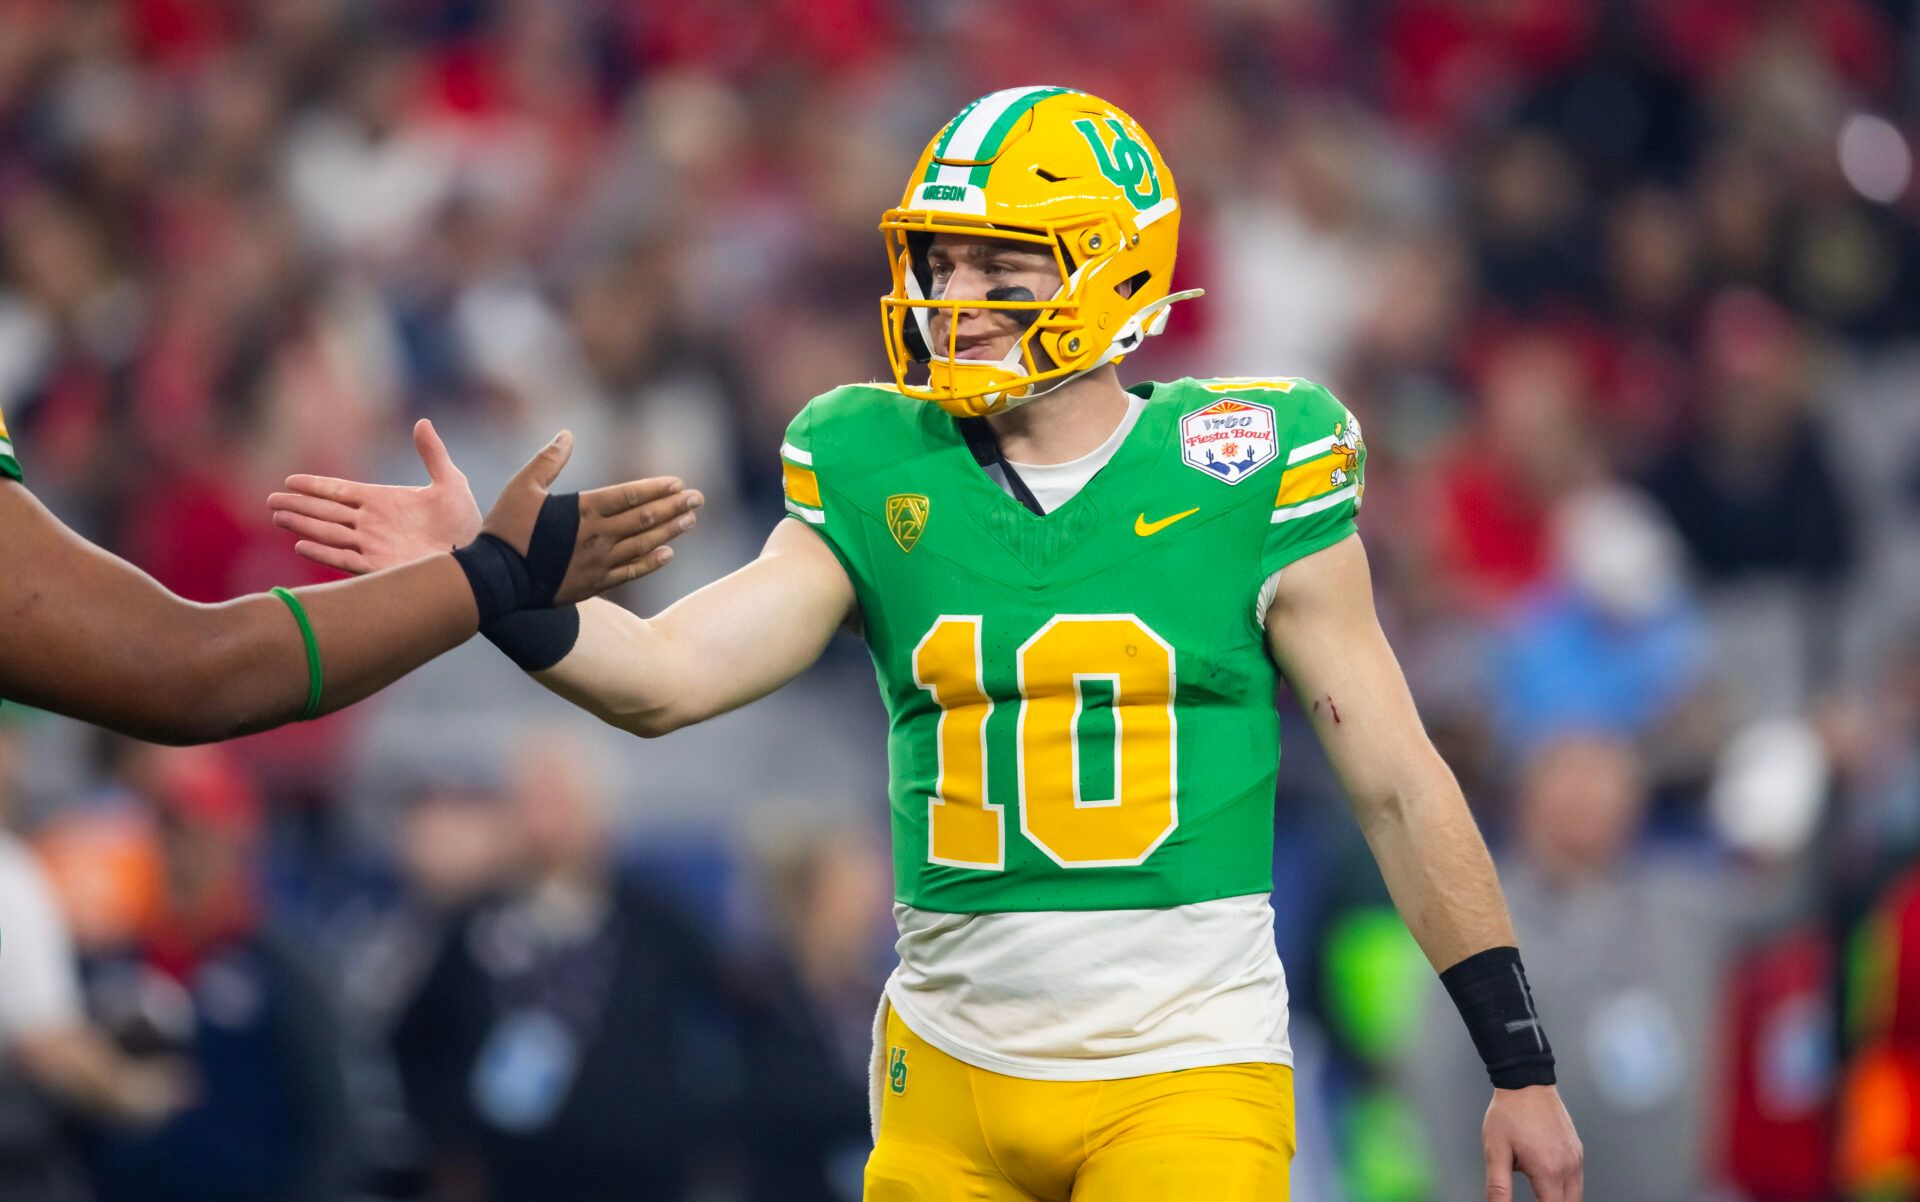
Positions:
{"x": 789, "y": 451}
{"x": 1312, "y": 450}
{"x": 1249, "y": 383}
{"x": 803, "y": 487}
{"x": 1318, "y": 504}
{"x": 1309, "y": 480}
{"x": 815, "y": 516}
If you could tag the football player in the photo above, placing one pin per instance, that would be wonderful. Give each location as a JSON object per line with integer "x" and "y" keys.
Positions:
{"x": 1079, "y": 600}
{"x": 88, "y": 635}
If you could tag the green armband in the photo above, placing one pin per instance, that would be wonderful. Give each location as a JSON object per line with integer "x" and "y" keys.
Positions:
{"x": 315, "y": 678}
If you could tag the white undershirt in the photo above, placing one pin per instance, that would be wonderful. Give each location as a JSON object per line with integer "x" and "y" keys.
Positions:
{"x": 1094, "y": 995}
{"x": 1054, "y": 484}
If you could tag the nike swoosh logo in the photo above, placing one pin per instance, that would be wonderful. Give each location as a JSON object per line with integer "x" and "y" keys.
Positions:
{"x": 1143, "y": 528}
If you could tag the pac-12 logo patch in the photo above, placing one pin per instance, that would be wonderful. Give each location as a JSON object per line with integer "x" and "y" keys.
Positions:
{"x": 907, "y": 517}
{"x": 1229, "y": 440}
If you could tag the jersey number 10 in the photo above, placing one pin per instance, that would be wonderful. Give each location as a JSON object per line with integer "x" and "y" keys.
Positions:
{"x": 1054, "y": 668}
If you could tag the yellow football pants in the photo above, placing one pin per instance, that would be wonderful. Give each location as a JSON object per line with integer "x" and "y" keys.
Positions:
{"x": 950, "y": 1132}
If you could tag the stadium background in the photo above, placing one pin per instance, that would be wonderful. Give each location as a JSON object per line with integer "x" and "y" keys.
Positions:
{"x": 1625, "y": 294}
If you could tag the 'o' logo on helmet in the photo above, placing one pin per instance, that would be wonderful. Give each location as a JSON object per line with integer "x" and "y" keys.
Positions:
{"x": 1128, "y": 164}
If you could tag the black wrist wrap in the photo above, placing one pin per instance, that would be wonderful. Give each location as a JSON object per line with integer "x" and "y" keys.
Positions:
{"x": 497, "y": 574}
{"x": 1490, "y": 990}
{"x": 535, "y": 639}
{"x": 550, "y": 550}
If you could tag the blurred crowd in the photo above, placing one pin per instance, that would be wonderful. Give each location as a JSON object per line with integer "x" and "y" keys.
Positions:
{"x": 1625, "y": 293}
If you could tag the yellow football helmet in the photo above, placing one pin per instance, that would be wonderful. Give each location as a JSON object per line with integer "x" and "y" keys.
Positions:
{"x": 1054, "y": 168}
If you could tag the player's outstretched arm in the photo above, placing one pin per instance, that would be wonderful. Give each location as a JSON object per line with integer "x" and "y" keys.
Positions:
{"x": 1324, "y": 635}
{"x": 727, "y": 644}
{"x": 86, "y": 634}
{"x": 734, "y": 641}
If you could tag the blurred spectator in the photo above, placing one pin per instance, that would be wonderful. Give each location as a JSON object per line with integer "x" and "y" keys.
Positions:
{"x": 1777, "y": 1037}
{"x": 810, "y": 1034}
{"x": 1753, "y": 490}
{"x": 1613, "y": 642}
{"x": 1530, "y": 446}
{"x": 51, "y": 1056}
{"x": 454, "y": 848}
{"x": 1880, "y": 1111}
{"x": 1630, "y": 947}
{"x": 209, "y": 982}
{"x": 566, "y": 1042}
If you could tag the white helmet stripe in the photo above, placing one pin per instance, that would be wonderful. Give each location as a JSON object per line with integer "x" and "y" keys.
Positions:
{"x": 976, "y": 124}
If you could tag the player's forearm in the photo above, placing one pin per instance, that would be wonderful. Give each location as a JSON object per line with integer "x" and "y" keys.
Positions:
{"x": 1436, "y": 867}
{"x": 369, "y": 632}
{"x": 727, "y": 644}
{"x": 242, "y": 666}
{"x": 625, "y": 671}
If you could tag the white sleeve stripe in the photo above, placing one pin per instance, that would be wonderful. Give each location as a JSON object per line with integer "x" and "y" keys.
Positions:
{"x": 1312, "y": 450}
{"x": 789, "y": 451}
{"x": 817, "y": 517}
{"x": 1307, "y": 508}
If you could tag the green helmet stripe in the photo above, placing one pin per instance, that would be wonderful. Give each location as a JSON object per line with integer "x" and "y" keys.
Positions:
{"x": 977, "y": 131}
{"x": 990, "y": 144}
{"x": 946, "y": 138}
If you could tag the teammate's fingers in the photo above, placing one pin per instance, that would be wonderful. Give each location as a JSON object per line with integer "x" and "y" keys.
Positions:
{"x": 330, "y": 488}
{"x": 433, "y": 453}
{"x": 634, "y": 569}
{"x": 636, "y": 545}
{"x": 664, "y": 512}
{"x": 617, "y": 498}
{"x": 330, "y": 533}
{"x": 544, "y": 468}
{"x": 313, "y": 507}
{"x": 334, "y": 557}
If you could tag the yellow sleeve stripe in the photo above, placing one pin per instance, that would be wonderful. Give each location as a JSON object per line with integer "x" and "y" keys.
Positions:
{"x": 3, "y": 425}
{"x": 1308, "y": 480}
{"x": 1248, "y": 383}
{"x": 1350, "y": 493}
{"x": 803, "y": 487}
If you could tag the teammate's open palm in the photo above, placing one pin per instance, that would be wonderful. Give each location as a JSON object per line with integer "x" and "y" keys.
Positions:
{"x": 360, "y": 528}
{"x": 1529, "y": 1130}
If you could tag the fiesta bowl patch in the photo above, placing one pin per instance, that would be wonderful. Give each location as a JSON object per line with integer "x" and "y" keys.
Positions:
{"x": 1229, "y": 439}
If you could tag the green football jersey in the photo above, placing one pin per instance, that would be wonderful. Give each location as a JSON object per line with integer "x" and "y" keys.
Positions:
{"x": 9, "y": 466}
{"x": 1080, "y": 704}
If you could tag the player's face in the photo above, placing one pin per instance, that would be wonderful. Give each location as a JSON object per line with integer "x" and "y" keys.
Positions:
{"x": 974, "y": 268}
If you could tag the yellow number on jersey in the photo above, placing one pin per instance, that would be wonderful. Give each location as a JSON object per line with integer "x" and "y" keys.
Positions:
{"x": 962, "y": 829}
{"x": 1074, "y": 831}
{"x": 1085, "y": 832}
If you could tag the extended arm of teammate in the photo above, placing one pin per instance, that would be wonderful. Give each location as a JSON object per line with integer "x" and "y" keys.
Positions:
{"x": 732, "y": 642}
{"x": 1326, "y": 638}
{"x": 86, "y": 634}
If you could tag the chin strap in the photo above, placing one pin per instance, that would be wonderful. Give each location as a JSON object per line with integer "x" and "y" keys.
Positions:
{"x": 1150, "y": 320}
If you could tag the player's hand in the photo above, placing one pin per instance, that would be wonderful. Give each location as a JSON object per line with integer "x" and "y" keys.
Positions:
{"x": 362, "y": 528}
{"x": 623, "y": 529}
{"x": 1529, "y": 1130}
